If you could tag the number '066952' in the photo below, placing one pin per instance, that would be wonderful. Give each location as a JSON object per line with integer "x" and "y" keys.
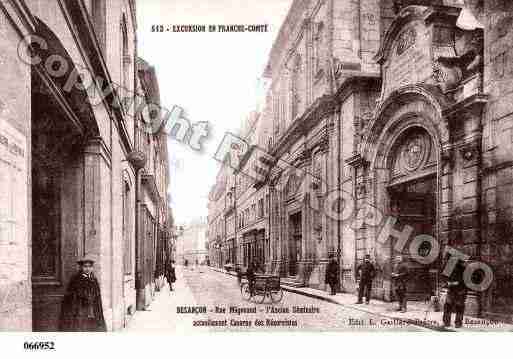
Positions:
{"x": 39, "y": 346}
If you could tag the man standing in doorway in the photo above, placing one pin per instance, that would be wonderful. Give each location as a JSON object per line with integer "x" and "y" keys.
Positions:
{"x": 400, "y": 277}
{"x": 365, "y": 273}
{"x": 81, "y": 309}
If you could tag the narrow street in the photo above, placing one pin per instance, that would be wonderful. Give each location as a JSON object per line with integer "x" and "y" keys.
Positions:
{"x": 217, "y": 292}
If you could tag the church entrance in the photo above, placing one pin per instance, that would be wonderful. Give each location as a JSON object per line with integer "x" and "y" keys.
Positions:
{"x": 412, "y": 194}
{"x": 414, "y": 204}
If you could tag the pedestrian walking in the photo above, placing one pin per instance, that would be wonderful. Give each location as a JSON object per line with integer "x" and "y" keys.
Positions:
{"x": 456, "y": 296}
{"x": 170, "y": 274}
{"x": 400, "y": 278}
{"x": 238, "y": 271}
{"x": 332, "y": 275}
{"x": 365, "y": 273}
{"x": 81, "y": 309}
{"x": 250, "y": 276}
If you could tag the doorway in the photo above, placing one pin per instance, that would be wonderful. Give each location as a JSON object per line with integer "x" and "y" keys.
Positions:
{"x": 62, "y": 122}
{"x": 414, "y": 204}
{"x": 295, "y": 225}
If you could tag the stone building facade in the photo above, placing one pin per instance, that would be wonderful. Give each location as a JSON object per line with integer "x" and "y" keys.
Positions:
{"x": 70, "y": 156}
{"x": 191, "y": 242}
{"x": 220, "y": 218}
{"x": 155, "y": 223}
{"x": 402, "y": 109}
{"x": 238, "y": 219}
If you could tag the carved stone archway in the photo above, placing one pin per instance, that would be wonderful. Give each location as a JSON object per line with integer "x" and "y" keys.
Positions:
{"x": 66, "y": 172}
{"x": 404, "y": 143}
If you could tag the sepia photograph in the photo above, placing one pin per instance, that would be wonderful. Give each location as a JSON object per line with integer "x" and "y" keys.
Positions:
{"x": 255, "y": 166}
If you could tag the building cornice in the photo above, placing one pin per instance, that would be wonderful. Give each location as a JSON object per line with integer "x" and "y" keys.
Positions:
{"x": 280, "y": 48}
{"x": 80, "y": 25}
{"x": 323, "y": 107}
{"x": 357, "y": 82}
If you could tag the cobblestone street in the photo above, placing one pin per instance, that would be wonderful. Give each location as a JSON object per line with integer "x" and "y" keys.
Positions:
{"x": 203, "y": 287}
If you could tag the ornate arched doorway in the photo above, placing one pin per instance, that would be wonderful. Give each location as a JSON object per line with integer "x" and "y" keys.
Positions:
{"x": 399, "y": 172}
{"x": 412, "y": 192}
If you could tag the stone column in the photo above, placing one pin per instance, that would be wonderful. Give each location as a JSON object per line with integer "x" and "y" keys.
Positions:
{"x": 465, "y": 211}
{"x": 359, "y": 193}
{"x": 97, "y": 217}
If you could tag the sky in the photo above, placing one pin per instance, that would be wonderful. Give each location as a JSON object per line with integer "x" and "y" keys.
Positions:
{"x": 215, "y": 77}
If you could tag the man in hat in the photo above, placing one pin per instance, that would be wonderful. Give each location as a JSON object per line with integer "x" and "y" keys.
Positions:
{"x": 332, "y": 275}
{"x": 456, "y": 295}
{"x": 400, "y": 277}
{"x": 170, "y": 273}
{"x": 81, "y": 309}
{"x": 365, "y": 273}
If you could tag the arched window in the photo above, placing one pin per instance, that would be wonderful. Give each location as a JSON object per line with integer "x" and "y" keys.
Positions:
{"x": 126, "y": 60}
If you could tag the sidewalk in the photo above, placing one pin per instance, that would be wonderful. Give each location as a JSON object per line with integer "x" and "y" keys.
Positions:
{"x": 418, "y": 313}
{"x": 161, "y": 314}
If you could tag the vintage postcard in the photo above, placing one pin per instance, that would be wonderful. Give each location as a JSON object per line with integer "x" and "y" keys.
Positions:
{"x": 213, "y": 166}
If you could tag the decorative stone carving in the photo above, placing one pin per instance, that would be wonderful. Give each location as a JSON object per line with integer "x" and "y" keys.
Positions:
{"x": 357, "y": 161}
{"x": 336, "y": 65}
{"x": 361, "y": 189}
{"x": 446, "y": 155}
{"x": 317, "y": 223}
{"x": 413, "y": 152}
{"x": 318, "y": 42}
{"x": 137, "y": 159}
{"x": 424, "y": 45}
{"x": 469, "y": 151}
{"x": 450, "y": 71}
{"x": 292, "y": 185}
{"x": 401, "y": 4}
{"x": 317, "y": 174}
{"x": 406, "y": 40}
{"x": 445, "y": 75}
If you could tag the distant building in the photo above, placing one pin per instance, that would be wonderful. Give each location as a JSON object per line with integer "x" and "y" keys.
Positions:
{"x": 191, "y": 242}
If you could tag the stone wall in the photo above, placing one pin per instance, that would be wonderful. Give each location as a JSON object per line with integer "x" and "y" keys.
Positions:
{"x": 497, "y": 188}
{"x": 15, "y": 231}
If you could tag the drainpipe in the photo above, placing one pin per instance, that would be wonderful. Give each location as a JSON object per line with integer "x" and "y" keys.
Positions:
{"x": 138, "y": 251}
{"x": 138, "y": 160}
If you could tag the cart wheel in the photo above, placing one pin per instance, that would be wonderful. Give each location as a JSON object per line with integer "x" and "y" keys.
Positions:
{"x": 244, "y": 291}
{"x": 259, "y": 296}
{"x": 276, "y": 296}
